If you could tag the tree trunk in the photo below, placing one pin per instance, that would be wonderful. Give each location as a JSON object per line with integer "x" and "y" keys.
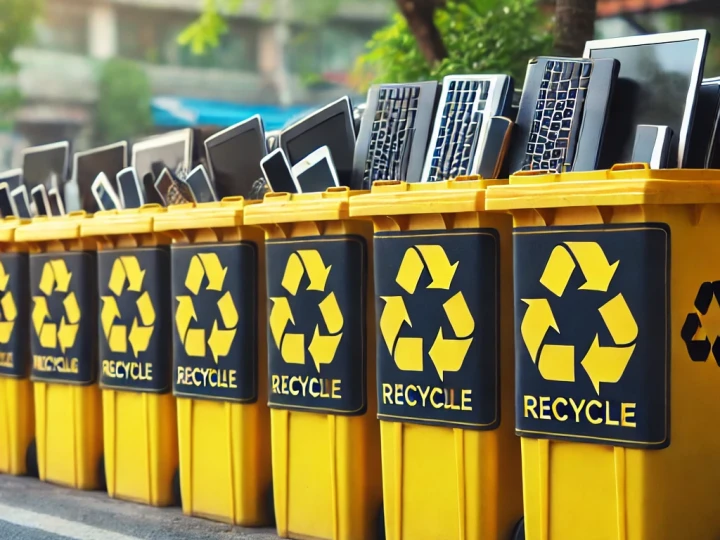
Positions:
{"x": 574, "y": 25}
{"x": 420, "y": 18}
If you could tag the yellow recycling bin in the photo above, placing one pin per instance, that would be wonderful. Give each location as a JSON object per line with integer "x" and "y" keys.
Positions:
{"x": 17, "y": 416}
{"x": 63, "y": 330}
{"x": 325, "y": 434}
{"x": 617, "y": 324}
{"x": 450, "y": 459}
{"x": 219, "y": 361}
{"x": 135, "y": 355}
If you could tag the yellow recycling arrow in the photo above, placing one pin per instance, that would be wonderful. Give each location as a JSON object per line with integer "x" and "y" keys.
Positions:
{"x": 606, "y": 364}
{"x": 8, "y": 307}
{"x": 228, "y": 311}
{"x": 441, "y": 271}
{"x": 108, "y": 313}
{"x": 214, "y": 271}
{"x": 47, "y": 279}
{"x": 392, "y": 319}
{"x": 72, "y": 309}
{"x": 280, "y": 316}
{"x": 619, "y": 320}
{"x": 458, "y": 313}
{"x": 220, "y": 341}
{"x": 595, "y": 267}
{"x": 139, "y": 337}
{"x": 40, "y": 312}
{"x": 323, "y": 348}
{"x": 135, "y": 274}
{"x": 558, "y": 270}
{"x": 117, "y": 278}
{"x": 66, "y": 335}
{"x": 4, "y": 278}
{"x": 410, "y": 270}
{"x": 183, "y": 316}
{"x": 538, "y": 320}
{"x": 146, "y": 309}
{"x": 195, "y": 274}
{"x": 448, "y": 354}
{"x": 62, "y": 276}
{"x": 294, "y": 272}
{"x": 6, "y": 328}
{"x": 48, "y": 336}
{"x": 316, "y": 269}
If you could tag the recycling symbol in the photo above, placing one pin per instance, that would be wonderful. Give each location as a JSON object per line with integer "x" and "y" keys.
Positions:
{"x": 291, "y": 345}
{"x": 206, "y": 267}
{"x": 447, "y": 353}
{"x": 9, "y": 309}
{"x": 694, "y": 333}
{"x": 603, "y": 364}
{"x": 55, "y": 278}
{"x": 126, "y": 274}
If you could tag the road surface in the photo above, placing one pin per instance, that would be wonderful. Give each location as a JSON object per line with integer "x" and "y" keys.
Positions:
{"x": 34, "y": 510}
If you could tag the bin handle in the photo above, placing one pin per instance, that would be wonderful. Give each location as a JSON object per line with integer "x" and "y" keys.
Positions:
{"x": 337, "y": 189}
{"x": 534, "y": 172}
{"x": 468, "y": 178}
{"x": 150, "y": 207}
{"x": 277, "y": 195}
{"x": 77, "y": 214}
{"x": 232, "y": 199}
{"x": 630, "y": 167}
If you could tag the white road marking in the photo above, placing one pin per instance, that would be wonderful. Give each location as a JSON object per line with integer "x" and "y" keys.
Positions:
{"x": 56, "y": 525}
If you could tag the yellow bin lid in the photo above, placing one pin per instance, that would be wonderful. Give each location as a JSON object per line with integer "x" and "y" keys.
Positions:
{"x": 46, "y": 229}
{"x": 128, "y": 221}
{"x": 394, "y": 198}
{"x": 218, "y": 214}
{"x": 625, "y": 184}
{"x": 8, "y": 226}
{"x": 329, "y": 205}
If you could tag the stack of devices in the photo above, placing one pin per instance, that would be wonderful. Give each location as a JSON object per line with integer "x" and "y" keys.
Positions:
{"x": 315, "y": 153}
{"x": 627, "y": 100}
{"x": 36, "y": 189}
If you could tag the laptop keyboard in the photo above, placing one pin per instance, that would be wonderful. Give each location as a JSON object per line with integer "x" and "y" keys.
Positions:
{"x": 459, "y": 129}
{"x": 557, "y": 117}
{"x": 391, "y": 136}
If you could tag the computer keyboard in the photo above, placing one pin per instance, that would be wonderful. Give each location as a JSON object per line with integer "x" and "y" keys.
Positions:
{"x": 558, "y": 115}
{"x": 459, "y": 131}
{"x": 391, "y": 134}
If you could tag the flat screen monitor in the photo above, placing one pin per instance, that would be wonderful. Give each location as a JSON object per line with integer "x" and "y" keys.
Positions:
{"x": 332, "y": 126}
{"x": 46, "y": 164}
{"x": 657, "y": 85}
{"x": 87, "y": 165}
{"x": 234, "y": 156}
{"x": 171, "y": 150}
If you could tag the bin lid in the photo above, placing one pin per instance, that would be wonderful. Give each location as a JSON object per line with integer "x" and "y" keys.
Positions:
{"x": 46, "y": 228}
{"x": 332, "y": 204}
{"x": 8, "y": 226}
{"x": 128, "y": 221}
{"x": 625, "y": 184}
{"x": 395, "y": 198}
{"x": 225, "y": 213}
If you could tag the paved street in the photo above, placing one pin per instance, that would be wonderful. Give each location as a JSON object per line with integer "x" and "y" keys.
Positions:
{"x": 33, "y": 510}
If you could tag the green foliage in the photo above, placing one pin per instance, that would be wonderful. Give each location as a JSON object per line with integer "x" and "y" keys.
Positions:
{"x": 16, "y": 28}
{"x": 481, "y": 36}
{"x": 205, "y": 32}
{"x": 124, "y": 101}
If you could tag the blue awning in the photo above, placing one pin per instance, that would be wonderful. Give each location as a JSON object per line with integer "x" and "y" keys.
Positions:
{"x": 189, "y": 112}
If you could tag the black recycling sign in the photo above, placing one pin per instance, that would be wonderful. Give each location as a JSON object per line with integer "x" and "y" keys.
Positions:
{"x": 693, "y": 333}
{"x": 63, "y": 289}
{"x": 592, "y": 334}
{"x": 317, "y": 354}
{"x": 134, "y": 333}
{"x": 437, "y": 302}
{"x": 214, "y": 290}
{"x": 14, "y": 306}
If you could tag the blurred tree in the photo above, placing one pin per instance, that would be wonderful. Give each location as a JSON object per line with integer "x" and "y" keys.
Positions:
{"x": 16, "y": 28}
{"x": 574, "y": 25}
{"x": 480, "y": 36}
{"x": 123, "y": 109}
